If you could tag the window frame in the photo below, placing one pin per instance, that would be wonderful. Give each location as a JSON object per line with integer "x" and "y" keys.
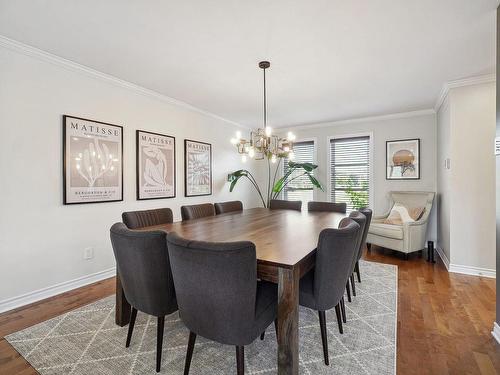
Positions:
{"x": 371, "y": 190}
{"x": 314, "y": 140}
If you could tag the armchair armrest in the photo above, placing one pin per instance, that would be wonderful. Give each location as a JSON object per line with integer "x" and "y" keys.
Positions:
{"x": 414, "y": 235}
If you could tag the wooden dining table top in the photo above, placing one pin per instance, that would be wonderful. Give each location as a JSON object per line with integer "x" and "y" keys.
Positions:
{"x": 282, "y": 238}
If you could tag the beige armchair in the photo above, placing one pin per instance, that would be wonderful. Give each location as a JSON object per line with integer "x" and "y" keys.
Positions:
{"x": 408, "y": 237}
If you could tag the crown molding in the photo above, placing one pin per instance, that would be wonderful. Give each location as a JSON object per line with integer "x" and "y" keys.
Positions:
{"x": 391, "y": 116}
{"x": 476, "y": 80}
{"x": 39, "y": 54}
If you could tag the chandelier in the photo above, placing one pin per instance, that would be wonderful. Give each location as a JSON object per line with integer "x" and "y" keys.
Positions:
{"x": 262, "y": 143}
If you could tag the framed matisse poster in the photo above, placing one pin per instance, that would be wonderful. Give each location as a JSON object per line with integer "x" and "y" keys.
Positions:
{"x": 198, "y": 168}
{"x": 403, "y": 159}
{"x": 155, "y": 165}
{"x": 92, "y": 161}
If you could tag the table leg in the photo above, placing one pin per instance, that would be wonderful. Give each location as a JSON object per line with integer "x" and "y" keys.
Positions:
{"x": 122, "y": 311}
{"x": 288, "y": 321}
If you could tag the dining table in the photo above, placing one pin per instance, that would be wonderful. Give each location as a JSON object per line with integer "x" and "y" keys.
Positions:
{"x": 285, "y": 242}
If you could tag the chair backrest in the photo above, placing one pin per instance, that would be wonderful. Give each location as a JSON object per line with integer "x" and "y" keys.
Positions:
{"x": 144, "y": 268}
{"x": 413, "y": 199}
{"x": 216, "y": 286}
{"x": 362, "y": 221}
{"x": 232, "y": 206}
{"x": 197, "y": 211}
{"x": 147, "y": 218}
{"x": 334, "y": 255}
{"x": 327, "y": 207}
{"x": 278, "y": 204}
{"x": 368, "y": 214}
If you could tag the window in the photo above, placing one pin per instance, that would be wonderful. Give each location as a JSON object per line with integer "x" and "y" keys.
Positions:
{"x": 300, "y": 189}
{"x": 350, "y": 171}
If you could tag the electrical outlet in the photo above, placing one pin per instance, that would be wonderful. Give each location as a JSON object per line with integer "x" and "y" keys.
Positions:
{"x": 88, "y": 253}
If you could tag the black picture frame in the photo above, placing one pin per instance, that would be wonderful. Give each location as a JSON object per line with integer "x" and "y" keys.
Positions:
{"x": 419, "y": 167}
{"x": 186, "y": 194}
{"x": 65, "y": 162}
{"x": 137, "y": 180}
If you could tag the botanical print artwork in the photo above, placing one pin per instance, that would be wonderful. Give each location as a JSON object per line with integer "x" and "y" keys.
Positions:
{"x": 92, "y": 161}
{"x": 155, "y": 165}
{"x": 403, "y": 159}
{"x": 198, "y": 165}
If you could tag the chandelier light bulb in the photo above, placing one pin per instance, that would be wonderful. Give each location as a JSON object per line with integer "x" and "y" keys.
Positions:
{"x": 251, "y": 152}
{"x": 291, "y": 136}
{"x": 238, "y": 135}
{"x": 286, "y": 148}
{"x": 234, "y": 141}
{"x": 273, "y": 159}
{"x": 291, "y": 155}
{"x": 244, "y": 158}
{"x": 269, "y": 131}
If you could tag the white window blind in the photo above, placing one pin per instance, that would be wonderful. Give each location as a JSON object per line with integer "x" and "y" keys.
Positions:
{"x": 301, "y": 188}
{"x": 350, "y": 171}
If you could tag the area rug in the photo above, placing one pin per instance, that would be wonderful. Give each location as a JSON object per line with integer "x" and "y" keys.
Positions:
{"x": 87, "y": 341}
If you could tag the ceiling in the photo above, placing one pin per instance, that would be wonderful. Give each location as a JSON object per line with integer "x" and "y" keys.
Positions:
{"x": 330, "y": 59}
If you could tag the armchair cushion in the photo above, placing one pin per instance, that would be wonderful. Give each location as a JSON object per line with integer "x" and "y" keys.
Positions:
{"x": 387, "y": 230}
{"x": 401, "y": 214}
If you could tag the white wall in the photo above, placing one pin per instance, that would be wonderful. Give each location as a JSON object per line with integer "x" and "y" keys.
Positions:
{"x": 382, "y": 130}
{"x": 41, "y": 240}
{"x": 443, "y": 179}
{"x": 473, "y": 178}
{"x": 467, "y": 217}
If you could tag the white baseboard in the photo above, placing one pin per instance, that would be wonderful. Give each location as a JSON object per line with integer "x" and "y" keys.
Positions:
{"x": 443, "y": 257}
{"x": 466, "y": 270}
{"x": 475, "y": 271}
{"x": 496, "y": 332}
{"x": 37, "y": 295}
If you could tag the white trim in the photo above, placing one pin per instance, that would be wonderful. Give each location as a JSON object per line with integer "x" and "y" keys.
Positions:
{"x": 476, "y": 80}
{"x": 475, "y": 271}
{"x": 371, "y": 189}
{"x": 391, "y": 116}
{"x": 443, "y": 257}
{"x": 39, "y": 54}
{"x": 37, "y": 295}
{"x": 496, "y": 332}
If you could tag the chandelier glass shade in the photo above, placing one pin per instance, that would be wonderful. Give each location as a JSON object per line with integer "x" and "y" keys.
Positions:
{"x": 262, "y": 143}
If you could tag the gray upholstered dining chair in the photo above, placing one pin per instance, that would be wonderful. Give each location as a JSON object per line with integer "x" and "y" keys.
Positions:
{"x": 144, "y": 268}
{"x": 147, "y": 218}
{"x": 326, "y": 207}
{"x": 218, "y": 293}
{"x": 368, "y": 214}
{"x": 278, "y": 204}
{"x": 359, "y": 218}
{"x": 224, "y": 207}
{"x": 321, "y": 289}
{"x": 197, "y": 211}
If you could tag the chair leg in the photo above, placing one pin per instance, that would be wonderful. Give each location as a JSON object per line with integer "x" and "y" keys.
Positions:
{"x": 276, "y": 328}
{"x": 189, "y": 354}
{"x": 353, "y": 285}
{"x": 131, "y": 326}
{"x": 324, "y": 337}
{"x": 159, "y": 341}
{"x": 339, "y": 318}
{"x": 240, "y": 360}
{"x": 356, "y": 268}
{"x": 348, "y": 289}
{"x": 369, "y": 246}
{"x": 342, "y": 310}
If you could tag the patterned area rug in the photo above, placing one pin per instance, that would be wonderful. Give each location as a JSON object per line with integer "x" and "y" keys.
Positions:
{"x": 87, "y": 341}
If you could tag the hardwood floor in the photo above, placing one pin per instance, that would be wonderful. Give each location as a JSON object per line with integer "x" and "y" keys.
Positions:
{"x": 444, "y": 319}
